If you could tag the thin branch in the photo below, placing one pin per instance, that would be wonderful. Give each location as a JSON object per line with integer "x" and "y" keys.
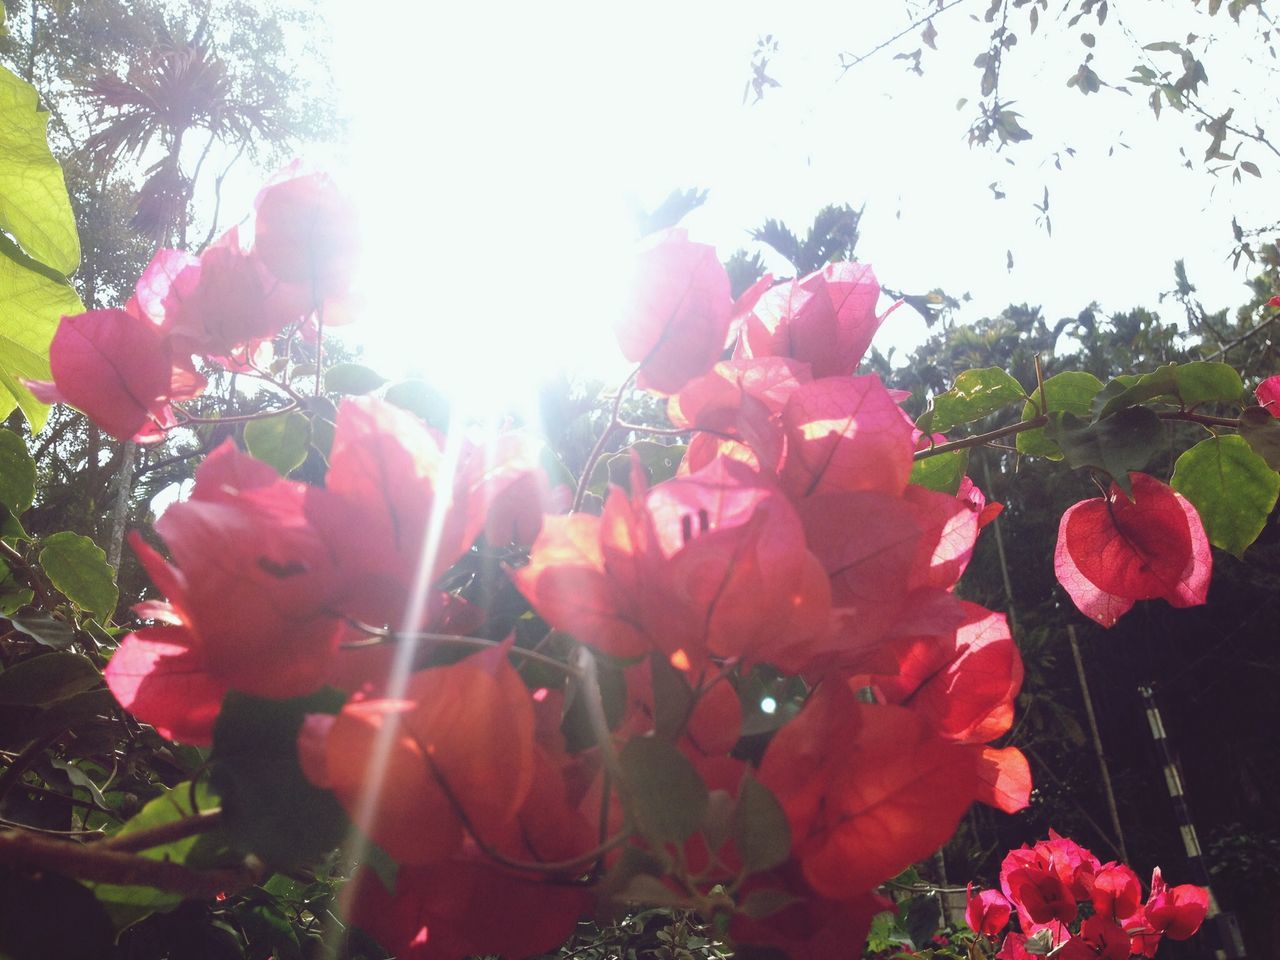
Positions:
{"x": 850, "y": 64}
{"x": 29, "y": 573}
{"x": 1035, "y": 423}
{"x": 96, "y": 863}
{"x": 598, "y": 449}
{"x": 217, "y": 197}
{"x": 380, "y": 636}
{"x": 979, "y": 439}
{"x": 595, "y": 714}
{"x": 187, "y": 419}
{"x": 1244, "y": 336}
{"x": 158, "y": 836}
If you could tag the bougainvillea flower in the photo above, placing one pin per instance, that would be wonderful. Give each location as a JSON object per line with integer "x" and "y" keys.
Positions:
{"x": 461, "y": 747}
{"x": 249, "y": 591}
{"x": 1117, "y": 892}
{"x": 826, "y": 319}
{"x": 710, "y": 563}
{"x": 116, "y": 368}
{"x": 810, "y": 927}
{"x": 446, "y": 911}
{"x": 843, "y": 434}
{"x": 1268, "y": 394}
{"x": 970, "y": 493}
{"x": 1175, "y": 912}
{"x": 965, "y": 685}
{"x": 228, "y": 301}
{"x": 393, "y": 495}
{"x": 155, "y": 283}
{"x": 1099, "y": 939}
{"x": 159, "y": 675}
{"x": 867, "y": 789}
{"x": 1113, "y": 551}
{"x": 737, "y": 410}
{"x": 676, "y": 320}
{"x": 1039, "y": 894}
{"x": 305, "y": 233}
{"x": 1073, "y": 865}
{"x": 988, "y": 913}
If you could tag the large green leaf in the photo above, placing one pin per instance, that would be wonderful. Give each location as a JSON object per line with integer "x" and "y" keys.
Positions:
{"x": 269, "y": 805}
{"x": 660, "y": 462}
{"x": 1188, "y": 384}
{"x": 942, "y": 473}
{"x": 668, "y": 797}
{"x": 39, "y": 681}
{"x": 281, "y": 441}
{"x": 34, "y": 207}
{"x": 975, "y": 394}
{"x": 127, "y": 904}
{"x": 1231, "y": 487}
{"x": 17, "y": 473}
{"x": 1122, "y": 442}
{"x": 32, "y": 301}
{"x": 1070, "y": 392}
{"x": 760, "y": 828}
{"x": 352, "y": 378}
{"x": 78, "y": 567}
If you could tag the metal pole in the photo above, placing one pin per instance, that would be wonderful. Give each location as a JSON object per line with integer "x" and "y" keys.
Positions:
{"x": 1230, "y": 943}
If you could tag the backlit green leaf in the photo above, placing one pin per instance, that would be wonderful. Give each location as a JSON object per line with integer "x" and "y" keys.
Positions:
{"x": 1071, "y": 392}
{"x": 668, "y": 797}
{"x": 32, "y": 301}
{"x": 1122, "y": 442}
{"x": 78, "y": 567}
{"x": 281, "y": 441}
{"x": 17, "y": 473}
{"x": 34, "y": 207}
{"x": 975, "y": 394}
{"x": 1231, "y": 487}
{"x": 942, "y": 473}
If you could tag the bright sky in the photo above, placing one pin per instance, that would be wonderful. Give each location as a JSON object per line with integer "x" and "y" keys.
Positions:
{"x": 499, "y": 148}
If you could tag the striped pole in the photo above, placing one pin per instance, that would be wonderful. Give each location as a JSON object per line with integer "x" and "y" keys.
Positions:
{"x": 1230, "y": 944}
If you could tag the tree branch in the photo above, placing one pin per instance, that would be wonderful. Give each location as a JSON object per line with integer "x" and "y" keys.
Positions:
{"x": 97, "y": 863}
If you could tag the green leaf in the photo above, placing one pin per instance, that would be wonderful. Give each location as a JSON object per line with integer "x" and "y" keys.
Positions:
{"x": 669, "y": 798}
{"x": 1231, "y": 487}
{"x": 78, "y": 567}
{"x": 975, "y": 394}
{"x": 269, "y": 806}
{"x": 14, "y": 593}
{"x": 1122, "y": 442}
{"x": 1072, "y": 392}
{"x": 660, "y": 462}
{"x": 1262, "y": 431}
{"x": 942, "y": 473}
{"x": 128, "y": 904}
{"x": 34, "y": 207}
{"x": 352, "y": 378}
{"x": 45, "y": 630}
{"x": 422, "y": 399}
{"x": 32, "y": 301}
{"x": 42, "y": 680}
{"x": 760, "y": 828}
{"x": 1187, "y": 384}
{"x": 17, "y": 473}
{"x": 281, "y": 441}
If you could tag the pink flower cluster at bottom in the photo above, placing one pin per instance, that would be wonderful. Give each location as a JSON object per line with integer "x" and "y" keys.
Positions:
{"x": 1047, "y": 885}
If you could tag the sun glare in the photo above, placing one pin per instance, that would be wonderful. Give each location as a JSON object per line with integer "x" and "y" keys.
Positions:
{"x": 497, "y": 226}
